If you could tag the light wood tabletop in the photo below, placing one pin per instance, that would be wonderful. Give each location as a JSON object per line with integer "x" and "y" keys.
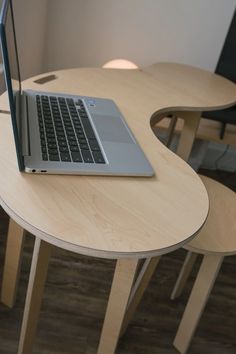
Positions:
{"x": 124, "y": 218}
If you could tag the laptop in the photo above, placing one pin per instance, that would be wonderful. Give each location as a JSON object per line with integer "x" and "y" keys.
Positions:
{"x": 56, "y": 133}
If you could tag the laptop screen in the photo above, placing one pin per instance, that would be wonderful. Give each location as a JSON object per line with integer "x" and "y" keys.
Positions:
{"x": 11, "y": 70}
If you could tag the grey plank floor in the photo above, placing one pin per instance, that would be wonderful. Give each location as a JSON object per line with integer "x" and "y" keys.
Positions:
{"x": 75, "y": 300}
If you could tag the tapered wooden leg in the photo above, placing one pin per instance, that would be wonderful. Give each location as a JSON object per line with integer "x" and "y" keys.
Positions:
{"x": 183, "y": 274}
{"x": 12, "y": 265}
{"x": 201, "y": 290}
{"x": 120, "y": 291}
{"x": 138, "y": 289}
{"x": 38, "y": 274}
{"x": 188, "y": 134}
{"x": 171, "y": 130}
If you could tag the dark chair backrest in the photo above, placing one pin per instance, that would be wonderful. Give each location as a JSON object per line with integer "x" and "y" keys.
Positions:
{"x": 226, "y": 65}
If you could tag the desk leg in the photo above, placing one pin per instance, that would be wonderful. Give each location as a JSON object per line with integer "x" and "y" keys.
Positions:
{"x": 120, "y": 291}
{"x": 38, "y": 274}
{"x": 12, "y": 265}
{"x": 138, "y": 289}
{"x": 188, "y": 134}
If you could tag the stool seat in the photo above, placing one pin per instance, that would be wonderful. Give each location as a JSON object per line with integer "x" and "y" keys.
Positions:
{"x": 218, "y": 235}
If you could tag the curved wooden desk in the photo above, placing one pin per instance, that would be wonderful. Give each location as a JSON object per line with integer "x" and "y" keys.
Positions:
{"x": 113, "y": 217}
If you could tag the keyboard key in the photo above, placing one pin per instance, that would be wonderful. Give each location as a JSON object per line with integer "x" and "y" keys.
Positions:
{"x": 83, "y": 115}
{"x": 45, "y": 157}
{"x": 70, "y": 101}
{"x": 62, "y": 143}
{"x": 84, "y": 146}
{"x": 82, "y": 141}
{"x": 50, "y": 136}
{"x": 60, "y": 132}
{"x": 88, "y": 128}
{"x": 74, "y": 148}
{"x": 80, "y": 132}
{"x": 63, "y": 149}
{"x": 54, "y": 157}
{"x": 69, "y": 130}
{"x": 79, "y": 102}
{"x": 52, "y": 151}
{"x": 68, "y": 124}
{"x": 73, "y": 143}
{"x": 52, "y": 146}
{"x": 98, "y": 158}
{"x": 49, "y": 130}
{"x": 77, "y": 125}
{"x": 65, "y": 156}
{"x": 76, "y": 157}
{"x": 52, "y": 141}
{"x": 94, "y": 145}
{"x": 61, "y": 139}
{"x": 87, "y": 157}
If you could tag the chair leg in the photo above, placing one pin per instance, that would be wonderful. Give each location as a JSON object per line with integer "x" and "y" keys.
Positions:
{"x": 222, "y": 130}
{"x": 38, "y": 274}
{"x": 12, "y": 265}
{"x": 183, "y": 274}
{"x": 201, "y": 290}
{"x": 138, "y": 289}
{"x": 120, "y": 291}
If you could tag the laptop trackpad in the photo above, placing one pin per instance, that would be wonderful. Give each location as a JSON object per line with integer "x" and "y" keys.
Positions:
{"x": 112, "y": 129}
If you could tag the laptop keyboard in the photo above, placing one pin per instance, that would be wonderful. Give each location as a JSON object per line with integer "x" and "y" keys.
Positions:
{"x": 66, "y": 133}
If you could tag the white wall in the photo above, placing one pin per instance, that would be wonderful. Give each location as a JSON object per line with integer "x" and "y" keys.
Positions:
{"x": 54, "y": 34}
{"x": 91, "y": 32}
{"x": 30, "y": 21}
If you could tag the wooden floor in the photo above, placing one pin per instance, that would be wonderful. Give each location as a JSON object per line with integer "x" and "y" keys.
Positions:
{"x": 76, "y": 295}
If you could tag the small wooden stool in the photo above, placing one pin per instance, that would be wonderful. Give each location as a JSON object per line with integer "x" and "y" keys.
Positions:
{"x": 216, "y": 240}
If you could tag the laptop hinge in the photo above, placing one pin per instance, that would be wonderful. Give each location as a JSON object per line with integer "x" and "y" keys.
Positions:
{"x": 24, "y": 129}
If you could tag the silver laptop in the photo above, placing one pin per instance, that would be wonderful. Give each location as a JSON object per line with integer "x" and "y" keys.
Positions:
{"x": 65, "y": 134}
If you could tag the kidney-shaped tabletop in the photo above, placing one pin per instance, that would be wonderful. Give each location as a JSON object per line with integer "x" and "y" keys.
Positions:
{"x": 117, "y": 217}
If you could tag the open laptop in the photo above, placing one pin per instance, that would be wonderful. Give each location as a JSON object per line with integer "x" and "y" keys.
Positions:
{"x": 65, "y": 134}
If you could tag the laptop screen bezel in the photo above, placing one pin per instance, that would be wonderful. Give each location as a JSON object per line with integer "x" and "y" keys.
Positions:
{"x": 7, "y": 10}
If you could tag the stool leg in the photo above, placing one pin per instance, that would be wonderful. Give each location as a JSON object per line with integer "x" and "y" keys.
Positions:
{"x": 38, "y": 274}
{"x": 138, "y": 289}
{"x": 183, "y": 274}
{"x": 119, "y": 295}
{"x": 201, "y": 290}
{"x": 12, "y": 264}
